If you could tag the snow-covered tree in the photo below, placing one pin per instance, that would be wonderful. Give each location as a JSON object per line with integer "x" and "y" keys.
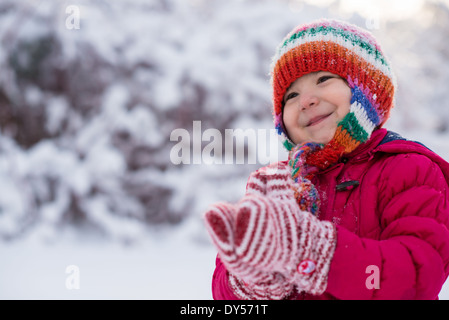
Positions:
{"x": 91, "y": 91}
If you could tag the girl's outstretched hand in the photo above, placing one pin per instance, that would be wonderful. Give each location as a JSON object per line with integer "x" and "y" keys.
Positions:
{"x": 270, "y": 247}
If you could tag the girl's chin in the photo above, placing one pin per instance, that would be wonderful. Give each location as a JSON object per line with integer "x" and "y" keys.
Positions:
{"x": 322, "y": 138}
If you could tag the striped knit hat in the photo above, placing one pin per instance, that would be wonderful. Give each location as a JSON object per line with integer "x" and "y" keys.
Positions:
{"x": 353, "y": 54}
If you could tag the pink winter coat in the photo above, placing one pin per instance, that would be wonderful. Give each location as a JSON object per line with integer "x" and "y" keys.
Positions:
{"x": 394, "y": 223}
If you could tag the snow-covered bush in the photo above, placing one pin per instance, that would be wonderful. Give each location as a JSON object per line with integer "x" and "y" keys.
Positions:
{"x": 90, "y": 92}
{"x": 87, "y": 109}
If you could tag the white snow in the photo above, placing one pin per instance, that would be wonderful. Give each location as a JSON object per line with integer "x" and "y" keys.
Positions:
{"x": 170, "y": 268}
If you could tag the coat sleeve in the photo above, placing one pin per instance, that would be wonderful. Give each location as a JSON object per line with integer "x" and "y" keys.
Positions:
{"x": 220, "y": 285}
{"x": 410, "y": 260}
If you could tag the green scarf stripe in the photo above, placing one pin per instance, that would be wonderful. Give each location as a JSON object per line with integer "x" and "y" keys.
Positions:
{"x": 353, "y": 127}
{"x": 288, "y": 145}
{"x": 339, "y": 32}
{"x": 294, "y": 172}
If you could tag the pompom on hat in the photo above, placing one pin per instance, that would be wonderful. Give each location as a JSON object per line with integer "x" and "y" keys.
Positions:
{"x": 352, "y": 53}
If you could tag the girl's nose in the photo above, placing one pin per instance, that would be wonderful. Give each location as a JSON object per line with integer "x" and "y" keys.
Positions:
{"x": 308, "y": 100}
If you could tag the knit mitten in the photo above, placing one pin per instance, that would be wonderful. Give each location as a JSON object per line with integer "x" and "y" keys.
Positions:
{"x": 272, "y": 287}
{"x": 270, "y": 235}
{"x": 247, "y": 281}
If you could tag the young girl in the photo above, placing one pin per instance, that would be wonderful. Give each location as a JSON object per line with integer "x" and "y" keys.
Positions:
{"x": 357, "y": 212}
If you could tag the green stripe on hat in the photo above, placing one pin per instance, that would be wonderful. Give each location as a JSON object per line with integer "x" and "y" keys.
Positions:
{"x": 352, "y": 126}
{"x": 346, "y": 35}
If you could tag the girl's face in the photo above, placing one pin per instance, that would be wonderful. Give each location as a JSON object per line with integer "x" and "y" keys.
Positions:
{"x": 313, "y": 106}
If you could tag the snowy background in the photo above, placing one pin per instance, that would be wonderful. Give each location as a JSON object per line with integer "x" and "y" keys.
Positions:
{"x": 90, "y": 94}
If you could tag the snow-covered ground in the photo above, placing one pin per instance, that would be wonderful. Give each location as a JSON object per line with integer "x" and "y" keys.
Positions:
{"x": 168, "y": 267}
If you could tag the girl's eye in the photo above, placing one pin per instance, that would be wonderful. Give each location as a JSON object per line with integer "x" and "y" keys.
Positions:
{"x": 323, "y": 79}
{"x": 291, "y": 95}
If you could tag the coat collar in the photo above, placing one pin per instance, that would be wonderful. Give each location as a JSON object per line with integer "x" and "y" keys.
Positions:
{"x": 363, "y": 151}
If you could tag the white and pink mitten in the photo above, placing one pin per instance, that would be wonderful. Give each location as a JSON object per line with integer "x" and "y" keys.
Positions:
{"x": 267, "y": 244}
